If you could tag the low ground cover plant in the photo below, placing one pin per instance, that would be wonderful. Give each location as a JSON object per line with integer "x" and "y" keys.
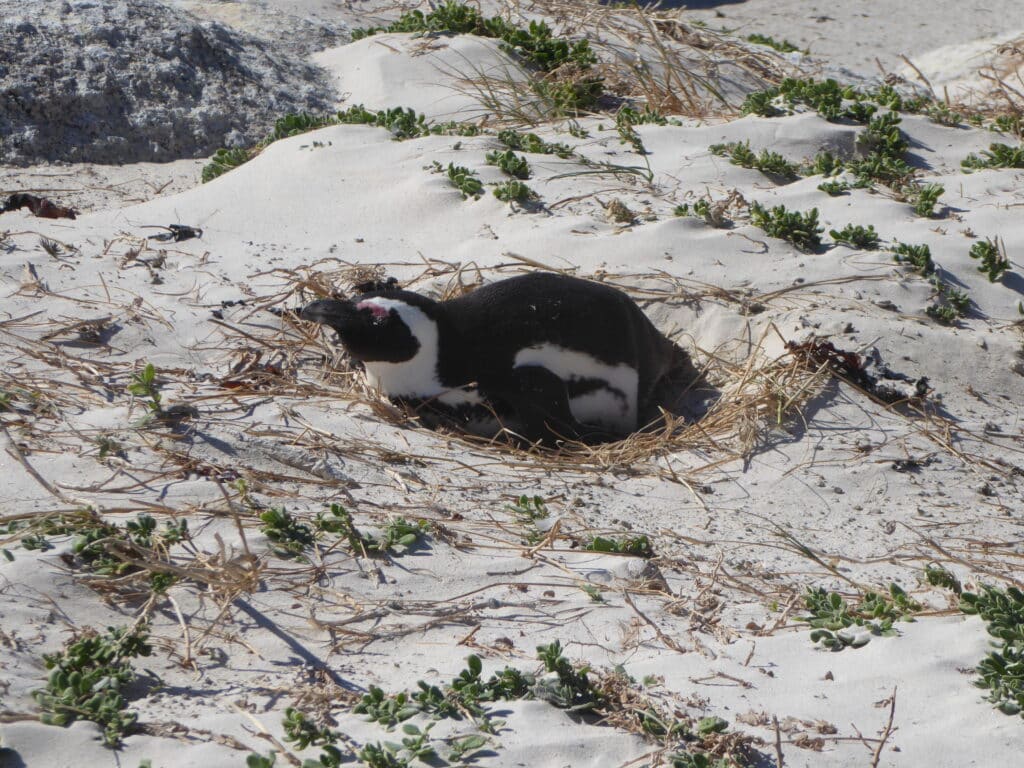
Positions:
{"x": 834, "y": 188}
{"x": 992, "y": 255}
{"x": 87, "y": 679}
{"x": 715, "y": 213}
{"x": 782, "y": 46}
{"x": 295, "y": 124}
{"x": 533, "y": 144}
{"x": 829, "y": 99}
{"x": 469, "y": 692}
{"x": 511, "y": 163}
{"x": 144, "y": 384}
{"x": 881, "y": 169}
{"x": 917, "y": 256}
{"x": 403, "y": 122}
{"x": 950, "y": 303}
{"x": 397, "y": 537}
{"x": 834, "y": 621}
{"x": 1001, "y": 672}
{"x": 883, "y": 135}
{"x": 882, "y": 141}
{"x": 826, "y": 96}
{"x": 300, "y": 730}
{"x": 768, "y": 162}
{"x": 225, "y": 160}
{"x": 924, "y": 198}
{"x": 527, "y": 511}
{"x": 824, "y": 164}
{"x": 514, "y": 191}
{"x": 938, "y": 576}
{"x": 699, "y": 208}
{"x": 637, "y": 546}
{"x": 1009, "y": 123}
{"x": 996, "y": 156}
{"x": 797, "y": 227}
{"x": 462, "y": 178}
{"x": 628, "y": 134}
{"x": 857, "y": 236}
{"x": 470, "y": 696}
{"x": 942, "y": 114}
{"x": 288, "y": 536}
{"x": 93, "y": 541}
{"x": 535, "y": 44}
{"x": 644, "y": 116}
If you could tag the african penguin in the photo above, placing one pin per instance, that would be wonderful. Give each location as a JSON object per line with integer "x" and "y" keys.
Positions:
{"x": 544, "y": 355}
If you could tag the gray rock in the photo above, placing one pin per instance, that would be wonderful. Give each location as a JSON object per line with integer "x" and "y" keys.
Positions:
{"x": 138, "y": 80}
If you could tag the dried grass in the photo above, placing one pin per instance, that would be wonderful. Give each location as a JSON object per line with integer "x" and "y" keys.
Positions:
{"x": 655, "y": 56}
{"x": 759, "y": 394}
{"x": 506, "y": 96}
{"x": 645, "y": 55}
{"x": 629, "y": 708}
{"x": 1001, "y": 91}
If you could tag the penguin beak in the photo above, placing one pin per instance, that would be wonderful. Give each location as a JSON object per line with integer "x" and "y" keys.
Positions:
{"x": 339, "y": 315}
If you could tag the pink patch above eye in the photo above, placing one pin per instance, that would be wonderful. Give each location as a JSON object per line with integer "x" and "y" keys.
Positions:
{"x": 377, "y": 310}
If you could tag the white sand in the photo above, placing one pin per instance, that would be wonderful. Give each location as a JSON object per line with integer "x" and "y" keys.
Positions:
{"x": 866, "y": 36}
{"x": 722, "y": 637}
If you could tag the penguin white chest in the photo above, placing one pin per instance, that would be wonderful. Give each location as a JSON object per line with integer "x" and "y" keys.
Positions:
{"x": 599, "y": 393}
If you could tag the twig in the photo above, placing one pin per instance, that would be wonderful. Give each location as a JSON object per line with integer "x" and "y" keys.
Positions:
{"x": 779, "y": 762}
{"x": 889, "y": 729}
{"x": 15, "y": 452}
{"x": 263, "y": 733}
{"x": 187, "y": 659}
{"x": 668, "y": 641}
{"x": 233, "y": 511}
{"x": 920, "y": 74}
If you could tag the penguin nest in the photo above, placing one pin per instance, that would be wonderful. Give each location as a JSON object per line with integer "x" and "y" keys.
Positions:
{"x": 751, "y": 398}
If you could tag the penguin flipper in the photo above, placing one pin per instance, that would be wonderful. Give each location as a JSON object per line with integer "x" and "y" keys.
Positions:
{"x": 540, "y": 402}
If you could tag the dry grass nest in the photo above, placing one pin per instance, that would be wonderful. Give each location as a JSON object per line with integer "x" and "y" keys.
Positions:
{"x": 754, "y": 396}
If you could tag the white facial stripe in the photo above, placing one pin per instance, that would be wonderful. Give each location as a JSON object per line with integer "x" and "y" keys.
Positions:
{"x": 416, "y": 377}
{"x": 378, "y": 309}
{"x": 602, "y": 406}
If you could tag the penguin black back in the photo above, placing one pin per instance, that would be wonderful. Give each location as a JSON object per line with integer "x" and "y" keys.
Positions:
{"x": 499, "y": 320}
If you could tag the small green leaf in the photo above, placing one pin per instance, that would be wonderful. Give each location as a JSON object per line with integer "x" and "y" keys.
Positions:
{"x": 474, "y": 741}
{"x": 708, "y": 725}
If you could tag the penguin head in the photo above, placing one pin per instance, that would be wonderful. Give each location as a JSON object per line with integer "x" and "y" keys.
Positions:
{"x": 380, "y": 327}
